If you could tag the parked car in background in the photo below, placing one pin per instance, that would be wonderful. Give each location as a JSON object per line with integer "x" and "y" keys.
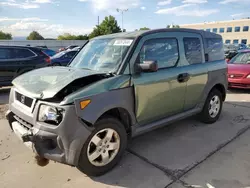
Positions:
{"x": 118, "y": 86}
{"x": 16, "y": 60}
{"x": 68, "y": 47}
{"x": 62, "y": 58}
{"x": 49, "y": 52}
{"x": 78, "y": 48}
{"x": 239, "y": 70}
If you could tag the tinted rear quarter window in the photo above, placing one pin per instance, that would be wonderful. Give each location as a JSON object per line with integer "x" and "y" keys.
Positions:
{"x": 192, "y": 48}
{"x": 215, "y": 49}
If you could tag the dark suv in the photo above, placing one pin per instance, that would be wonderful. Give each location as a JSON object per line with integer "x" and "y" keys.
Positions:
{"x": 16, "y": 60}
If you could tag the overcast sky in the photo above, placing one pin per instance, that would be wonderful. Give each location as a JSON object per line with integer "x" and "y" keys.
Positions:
{"x": 54, "y": 17}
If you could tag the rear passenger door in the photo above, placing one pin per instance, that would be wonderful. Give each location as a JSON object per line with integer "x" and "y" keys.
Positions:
{"x": 195, "y": 67}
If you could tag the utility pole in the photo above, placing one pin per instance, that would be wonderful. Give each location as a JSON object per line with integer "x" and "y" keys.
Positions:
{"x": 122, "y": 11}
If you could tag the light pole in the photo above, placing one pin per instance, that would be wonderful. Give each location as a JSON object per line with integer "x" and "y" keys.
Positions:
{"x": 122, "y": 11}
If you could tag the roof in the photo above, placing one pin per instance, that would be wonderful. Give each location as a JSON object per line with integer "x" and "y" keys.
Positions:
{"x": 135, "y": 34}
{"x": 20, "y": 46}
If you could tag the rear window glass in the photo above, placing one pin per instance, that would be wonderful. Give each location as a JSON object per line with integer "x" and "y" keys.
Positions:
{"x": 215, "y": 49}
{"x": 193, "y": 50}
{"x": 241, "y": 58}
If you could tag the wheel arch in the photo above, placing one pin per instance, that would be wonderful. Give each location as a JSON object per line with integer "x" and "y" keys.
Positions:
{"x": 118, "y": 103}
{"x": 122, "y": 115}
{"x": 220, "y": 88}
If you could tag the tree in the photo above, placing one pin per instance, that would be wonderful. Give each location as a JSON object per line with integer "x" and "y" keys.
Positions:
{"x": 68, "y": 36}
{"x": 34, "y": 35}
{"x": 144, "y": 28}
{"x": 108, "y": 26}
{"x": 5, "y": 36}
{"x": 173, "y": 26}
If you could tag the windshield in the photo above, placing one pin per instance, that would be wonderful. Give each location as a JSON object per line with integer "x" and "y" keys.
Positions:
{"x": 241, "y": 58}
{"x": 102, "y": 54}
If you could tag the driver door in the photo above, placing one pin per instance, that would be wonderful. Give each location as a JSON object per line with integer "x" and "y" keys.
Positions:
{"x": 159, "y": 94}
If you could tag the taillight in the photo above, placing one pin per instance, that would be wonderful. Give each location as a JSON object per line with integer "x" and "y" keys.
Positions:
{"x": 47, "y": 58}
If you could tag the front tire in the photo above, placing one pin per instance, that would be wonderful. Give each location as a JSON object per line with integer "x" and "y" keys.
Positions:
{"x": 104, "y": 147}
{"x": 212, "y": 108}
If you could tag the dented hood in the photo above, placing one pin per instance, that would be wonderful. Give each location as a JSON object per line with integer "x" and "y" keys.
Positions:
{"x": 46, "y": 82}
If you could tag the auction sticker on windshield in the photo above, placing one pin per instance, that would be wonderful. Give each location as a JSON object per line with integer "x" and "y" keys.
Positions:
{"x": 123, "y": 42}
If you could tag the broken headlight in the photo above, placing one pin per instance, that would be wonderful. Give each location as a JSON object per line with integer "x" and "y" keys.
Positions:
{"x": 50, "y": 114}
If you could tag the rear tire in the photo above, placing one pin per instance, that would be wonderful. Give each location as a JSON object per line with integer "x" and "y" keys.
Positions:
{"x": 212, "y": 108}
{"x": 101, "y": 152}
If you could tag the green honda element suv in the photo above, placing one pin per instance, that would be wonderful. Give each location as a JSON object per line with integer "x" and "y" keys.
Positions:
{"x": 118, "y": 86}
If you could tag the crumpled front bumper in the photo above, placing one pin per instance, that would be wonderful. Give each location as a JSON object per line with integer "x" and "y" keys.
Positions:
{"x": 61, "y": 143}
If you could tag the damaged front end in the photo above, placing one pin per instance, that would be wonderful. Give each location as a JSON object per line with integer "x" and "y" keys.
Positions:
{"x": 53, "y": 131}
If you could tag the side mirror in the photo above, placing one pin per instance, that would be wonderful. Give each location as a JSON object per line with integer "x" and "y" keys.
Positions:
{"x": 148, "y": 66}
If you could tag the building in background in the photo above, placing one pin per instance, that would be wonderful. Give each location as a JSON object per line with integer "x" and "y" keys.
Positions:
{"x": 233, "y": 31}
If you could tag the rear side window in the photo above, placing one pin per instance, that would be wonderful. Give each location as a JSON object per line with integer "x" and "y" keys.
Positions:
{"x": 192, "y": 48}
{"x": 4, "y": 53}
{"x": 215, "y": 49}
{"x": 164, "y": 51}
{"x": 17, "y": 53}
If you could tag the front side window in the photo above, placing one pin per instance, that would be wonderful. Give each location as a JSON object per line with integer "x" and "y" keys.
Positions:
{"x": 5, "y": 53}
{"x": 237, "y": 29}
{"x": 241, "y": 58}
{"x": 227, "y": 41}
{"x": 193, "y": 50}
{"x": 246, "y": 28}
{"x": 164, "y": 51}
{"x": 236, "y": 41}
{"x": 208, "y": 30}
{"x": 105, "y": 55}
{"x": 222, "y": 30}
{"x": 215, "y": 30}
{"x": 229, "y": 29}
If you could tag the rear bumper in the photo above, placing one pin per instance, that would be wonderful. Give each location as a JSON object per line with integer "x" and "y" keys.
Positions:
{"x": 239, "y": 83}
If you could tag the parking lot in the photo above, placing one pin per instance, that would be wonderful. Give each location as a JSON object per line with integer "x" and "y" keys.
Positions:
{"x": 184, "y": 154}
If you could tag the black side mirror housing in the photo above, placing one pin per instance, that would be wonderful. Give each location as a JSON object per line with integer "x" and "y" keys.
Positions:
{"x": 148, "y": 66}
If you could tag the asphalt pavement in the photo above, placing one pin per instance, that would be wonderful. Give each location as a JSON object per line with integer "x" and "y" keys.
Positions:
{"x": 184, "y": 154}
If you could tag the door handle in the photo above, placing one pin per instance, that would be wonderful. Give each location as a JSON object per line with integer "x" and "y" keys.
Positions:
{"x": 184, "y": 77}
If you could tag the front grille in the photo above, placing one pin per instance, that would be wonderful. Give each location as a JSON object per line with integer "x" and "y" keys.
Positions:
{"x": 235, "y": 76}
{"x": 23, "y": 122}
{"x": 27, "y": 101}
{"x": 239, "y": 85}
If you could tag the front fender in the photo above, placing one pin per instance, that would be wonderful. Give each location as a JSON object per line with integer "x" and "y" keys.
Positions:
{"x": 103, "y": 102}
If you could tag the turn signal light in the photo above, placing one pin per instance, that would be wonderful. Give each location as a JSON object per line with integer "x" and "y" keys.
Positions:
{"x": 84, "y": 103}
